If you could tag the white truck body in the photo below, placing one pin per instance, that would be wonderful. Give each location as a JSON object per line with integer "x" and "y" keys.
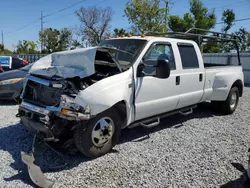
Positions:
{"x": 91, "y": 94}
{"x": 153, "y": 95}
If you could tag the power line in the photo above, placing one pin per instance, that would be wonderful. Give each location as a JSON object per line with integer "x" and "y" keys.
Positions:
{"x": 63, "y": 9}
{"x": 35, "y": 21}
{"x": 238, "y": 20}
{"x": 232, "y": 4}
{"x": 70, "y": 7}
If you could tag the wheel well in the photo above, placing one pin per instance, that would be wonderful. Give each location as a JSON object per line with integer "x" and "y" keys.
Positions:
{"x": 122, "y": 110}
{"x": 239, "y": 85}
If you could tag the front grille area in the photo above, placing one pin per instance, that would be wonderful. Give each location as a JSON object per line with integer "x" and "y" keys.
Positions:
{"x": 6, "y": 95}
{"x": 42, "y": 95}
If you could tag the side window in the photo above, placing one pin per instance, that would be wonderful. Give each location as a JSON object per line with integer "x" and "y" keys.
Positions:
{"x": 156, "y": 52}
{"x": 188, "y": 56}
{"x": 16, "y": 63}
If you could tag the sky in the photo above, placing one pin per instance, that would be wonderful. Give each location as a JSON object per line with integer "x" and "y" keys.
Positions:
{"x": 19, "y": 19}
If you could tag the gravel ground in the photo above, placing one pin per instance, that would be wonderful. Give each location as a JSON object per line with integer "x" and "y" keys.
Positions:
{"x": 193, "y": 151}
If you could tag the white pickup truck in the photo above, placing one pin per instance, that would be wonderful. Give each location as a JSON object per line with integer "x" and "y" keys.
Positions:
{"x": 88, "y": 95}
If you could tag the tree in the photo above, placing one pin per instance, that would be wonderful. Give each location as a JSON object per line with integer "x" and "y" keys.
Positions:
{"x": 120, "y": 32}
{"x": 228, "y": 17}
{"x": 179, "y": 24}
{"x": 243, "y": 41}
{"x": 1, "y": 47}
{"x": 95, "y": 23}
{"x": 26, "y": 47}
{"x": 75, "y": 44}
{"x": 55, "y": 40}
{"x": 198, "y": 17}
{"x": 4, "y": 51}
{"x": 147, "y": 15}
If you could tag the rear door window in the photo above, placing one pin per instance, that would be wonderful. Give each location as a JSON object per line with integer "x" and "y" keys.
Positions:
{"x": 188, "y": 56}
{"x": 16, "y": 63}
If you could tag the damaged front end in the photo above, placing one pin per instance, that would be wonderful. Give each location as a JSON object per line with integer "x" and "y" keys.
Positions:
{"x": 49, "y": 107}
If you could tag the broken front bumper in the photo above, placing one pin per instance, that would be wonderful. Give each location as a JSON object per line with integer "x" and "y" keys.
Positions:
{"x": 33, "y": 161}
{"x": 37, "y": 118}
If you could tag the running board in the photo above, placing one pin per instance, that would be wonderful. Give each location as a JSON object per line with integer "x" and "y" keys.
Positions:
{"x": 155, "y": 120}
{"x": 152, "y": 124}
{"x": 186, "y": 113}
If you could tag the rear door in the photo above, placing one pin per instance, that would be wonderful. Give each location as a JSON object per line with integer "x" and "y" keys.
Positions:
{"x": 191, "y": 79}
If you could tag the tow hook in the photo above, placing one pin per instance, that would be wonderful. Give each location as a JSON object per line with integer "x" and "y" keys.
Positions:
{"x": 33, "y": 161}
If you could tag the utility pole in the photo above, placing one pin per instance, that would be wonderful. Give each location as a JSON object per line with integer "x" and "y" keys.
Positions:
{"x": 41, "y": 29}
{"x": 2, "y": 39}
{"x": 166, "y": 14}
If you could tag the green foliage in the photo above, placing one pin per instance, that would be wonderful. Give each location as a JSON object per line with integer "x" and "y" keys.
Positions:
{"x": 75, "y": 44}
{"x": 120, "y": 32}
{"x": 55, "y": 40}
{"x": 181, "y": 24}
{"x": 244, "y": 44}
{"x": 198, "y": 17}
{"x": 146, "y": 15}
{"x": 26, "y": 47}
{"x": 228, "y": 17}
{"x": 95, "y": 23}
{"x": 4, "y": 51}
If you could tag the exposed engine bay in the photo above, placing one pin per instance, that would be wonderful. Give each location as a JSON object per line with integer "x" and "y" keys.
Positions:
{"x": 60, "y": 92}
{"x": 42, "y": 95}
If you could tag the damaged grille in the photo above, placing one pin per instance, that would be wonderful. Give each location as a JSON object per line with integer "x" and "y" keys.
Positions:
{"x": 42, "y": 95}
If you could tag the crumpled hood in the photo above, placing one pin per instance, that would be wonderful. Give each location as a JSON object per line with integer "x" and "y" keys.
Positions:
{"x": 66, "y": 64}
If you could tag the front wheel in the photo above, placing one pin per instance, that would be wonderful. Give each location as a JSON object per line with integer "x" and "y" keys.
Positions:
{"x": 99, "y": 135}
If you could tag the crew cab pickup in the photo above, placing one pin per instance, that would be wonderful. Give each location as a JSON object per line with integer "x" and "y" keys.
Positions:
{"x": 88, "y": 95}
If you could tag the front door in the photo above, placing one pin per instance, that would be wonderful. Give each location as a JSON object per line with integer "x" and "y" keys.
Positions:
{"x": 154, "y": 95}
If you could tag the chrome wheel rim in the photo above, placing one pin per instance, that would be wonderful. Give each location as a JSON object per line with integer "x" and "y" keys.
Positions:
{"x": 233, "y": 100}
{"x": 102, "y": 131}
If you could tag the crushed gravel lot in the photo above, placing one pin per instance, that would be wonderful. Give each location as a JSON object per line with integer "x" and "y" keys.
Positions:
{"x": 192, "y": 151}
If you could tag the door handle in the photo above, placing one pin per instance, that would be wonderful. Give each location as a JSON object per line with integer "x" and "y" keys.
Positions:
{"x": 200, "y": 77}
{"x": 177, "y": 81}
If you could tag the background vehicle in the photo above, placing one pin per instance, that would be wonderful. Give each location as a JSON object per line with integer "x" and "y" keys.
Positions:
{"x": 12, "y": 62}
{"x": 1, "y": 69}
{"x": 11, "y": 82}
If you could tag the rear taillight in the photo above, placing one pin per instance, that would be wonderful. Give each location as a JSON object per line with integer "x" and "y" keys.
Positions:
{"x": 24, "y": 62}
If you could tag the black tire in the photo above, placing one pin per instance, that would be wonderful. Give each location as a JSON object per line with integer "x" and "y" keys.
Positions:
{"x": 83, "y": 135}
{"x": 225, "y": 106}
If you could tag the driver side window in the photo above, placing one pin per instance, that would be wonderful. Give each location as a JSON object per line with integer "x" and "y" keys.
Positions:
{"x": 158, "y": 51}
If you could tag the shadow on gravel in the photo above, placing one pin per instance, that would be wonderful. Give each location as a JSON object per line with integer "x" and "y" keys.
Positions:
{"x": 238, "y": 183}
{"x": 242, "y": 182}
{"x": 138, "y": 134}
{"x": 15, "y": 138}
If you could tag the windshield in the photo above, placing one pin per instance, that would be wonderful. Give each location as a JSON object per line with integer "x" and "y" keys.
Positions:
{"x": 27, "y": 67}
{"x": 132, "y": 46}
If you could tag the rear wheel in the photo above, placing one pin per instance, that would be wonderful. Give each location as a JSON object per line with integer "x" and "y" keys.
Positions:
{"x": 99, "y": 135}
{"x": 230, "y": 104}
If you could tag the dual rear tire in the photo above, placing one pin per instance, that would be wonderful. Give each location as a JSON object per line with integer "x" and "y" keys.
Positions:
{"x": 230, "y": 104}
